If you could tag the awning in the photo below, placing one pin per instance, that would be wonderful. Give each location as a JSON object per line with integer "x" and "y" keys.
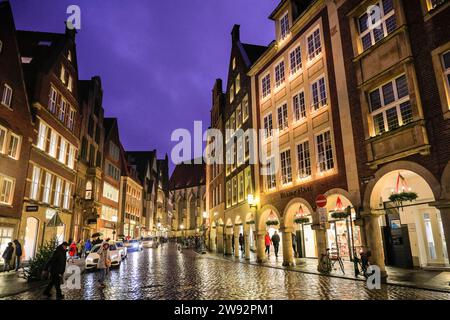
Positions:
{"x": 55, "y": 221}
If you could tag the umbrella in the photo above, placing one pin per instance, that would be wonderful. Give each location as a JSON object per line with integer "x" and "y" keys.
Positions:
{"x": 97, "y": 234}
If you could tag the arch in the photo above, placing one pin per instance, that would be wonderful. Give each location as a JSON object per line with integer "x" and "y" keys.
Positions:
{"x": 265, "y": 211}
{"x": 446, "y": 182}
{"x": 433, "y": 183}
{"x": 342, "y": 192}
{"x": 290, "y": 211}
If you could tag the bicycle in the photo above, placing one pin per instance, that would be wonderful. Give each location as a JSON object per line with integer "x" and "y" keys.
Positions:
{"x": 325, "y": 265}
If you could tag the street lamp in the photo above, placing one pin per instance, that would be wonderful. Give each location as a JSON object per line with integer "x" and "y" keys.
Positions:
{"x": 252, "y": 201}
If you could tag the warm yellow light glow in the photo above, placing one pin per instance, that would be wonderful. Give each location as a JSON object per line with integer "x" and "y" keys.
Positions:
{"x": 205, "y": 214}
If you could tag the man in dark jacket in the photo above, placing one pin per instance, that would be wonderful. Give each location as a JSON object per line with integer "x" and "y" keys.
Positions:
{"x": 18, "y": 253}
{"x": 7, "y": 256}
{"x": 56, "y": 266}
{"x": 241, "y": 242}
{"x": 276, "y": 243}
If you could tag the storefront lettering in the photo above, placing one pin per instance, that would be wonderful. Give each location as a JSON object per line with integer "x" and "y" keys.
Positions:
{"x": 297, "y": 192}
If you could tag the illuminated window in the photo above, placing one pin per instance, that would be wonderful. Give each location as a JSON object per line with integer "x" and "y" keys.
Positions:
{"x": 6, "y": 190}
{"x": 446, "y": 65}
{"x": 284, "y": 26}
{"x": 296, "y": 60}
{"x": 266, "y": 86}
{"x": 299, "y": 106}
{"x": 245, "y": 110}
{"x": 14, "y": 145}
{"x": 376, "y": 23}
{"x": 304, "y": 160}
{"x": 231, "y": 93}
{"x": 390, "y": 106}
{"x": 35, "y": 181}
{"x": 47, "y": 188}
{"x": 234, "y": 192}
{"x": 271, "y": 181}
{"x": 7, "y": 95}
{"x": 319, "y": 94}
{"x": 286, "y": 169}
{"x": 314, "y": 44}
{"x": 268, "y": 126}
{"x": 241, "y": 186}
{"x": 282, "y": 117}
{"x": 238, "y": 83}
{"x": 324, "y": 152}
{"x": 52, "y": 100}
{"x": 279, "y": 74}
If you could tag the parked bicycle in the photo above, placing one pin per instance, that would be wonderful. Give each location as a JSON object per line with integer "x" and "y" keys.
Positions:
{"x": 328, "y": 260}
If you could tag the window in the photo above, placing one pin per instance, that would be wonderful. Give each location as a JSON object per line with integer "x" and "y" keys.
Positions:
{"x": 376, "y": 23}
{"x": 231, "y": 93}
{"x": 58, "y": 191}
{"x": 279, "y": 74}
{"x": 229, "y": 193}
{"x": 47, "y": 188}
{"x": 228, "y": 160}
{"x": 6, "y": 236}
{"x": 88, "y": 193}
{"x": 70, "y": 84}
{"x": 238, "y": 83}
{"x": 314, "y": 44}
{"x": 42, "y": 136}
{"x": 324, "y": 152}
{"x": 232, "y": 124}
{"x": 71, "y": 160}
{"x": 282, "y": 117}
{"x": 299, "y": 106}
{"x": 233, "y": 63}
{"x": 112, "y": 171}
{"x": 109, "y": 213}
{"x": 71, "y": 119}
{"x": 3, "y": 135}
{"x": 239, "y": 116}
{"x": 13, "y": 147}
{"x": 66, "y": 197}
{"x": 110, "y": 192}
{"x": 286, "y": 169}
{"x": 446, "y": 64}
{"x": 304, "y": 160}
{"x": 234, "y": 193}
{"x": 114, "y": 151}
{"x": 266, "y": 86}
{"x": 7, "y": 96}
{"x": 62, "y": 110}
{"x": 247, "y": 144}
{"x": 241, "y": 186}
{"x": 62, "y": 75}
{"x": 35, "y": 181}
{"x": 52, "y": 100}
{"x": 319, "y": 94}
{"x": 432, "y": 4}
{"x": 69, "y": 56}
{"x": 248, "y": 181}
{"x": 62, "y": 151}
{"x": 240, "y": 150}
{"x": 53, "y": 144}
{"x": 296, "y": 60}
{"x": 245, "y": 111}
{"x": 284, "y": 26}
{"x": 271, "y": 181}
{"x": 6, "y": 190}
{"x": 268, "y": 126}
{"x": 390, "y": 106}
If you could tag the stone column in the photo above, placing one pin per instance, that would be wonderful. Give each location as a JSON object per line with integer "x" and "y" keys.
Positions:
{"x": 237, "y": 249}
{"x": 288, "y": 254}
{"x": 445, "y": 217}
{"x": 247, "y": 245}
{"x": 321, "y": 241}
{"x": 260, "y": 247}
{"x": 228, "y": 246}
{"x": 374, "y": 242}
{"x": 219, "y": 248}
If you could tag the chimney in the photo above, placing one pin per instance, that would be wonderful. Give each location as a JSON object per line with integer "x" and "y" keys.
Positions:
{"x": 235, "y": 33}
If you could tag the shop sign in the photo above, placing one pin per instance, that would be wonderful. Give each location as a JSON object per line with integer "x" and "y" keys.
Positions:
{"x": 296, "y": 192}
{"x": 323, "y": 216}
{"x": 32, "y": 208}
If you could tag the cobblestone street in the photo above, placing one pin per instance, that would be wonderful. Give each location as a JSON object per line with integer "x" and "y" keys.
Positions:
{"x": 164, "y": 273}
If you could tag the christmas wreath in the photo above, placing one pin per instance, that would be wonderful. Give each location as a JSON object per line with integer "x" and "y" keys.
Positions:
{"x": 301, "y": 220}
{"x": 339, "y": 214}
{"x": 272, "y": 222}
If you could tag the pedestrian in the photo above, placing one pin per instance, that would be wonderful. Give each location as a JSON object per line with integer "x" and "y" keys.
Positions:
{"x": 103, "y": 262}
{"x": 80, "y": 246}
{"x": 294, "y": 244}
{"x": 276, "y": 243}
{"x": 7, "y": 256}
{"x": 241, "y": 241}
{"x": 72, "y": 250}
{"x": 267, "y": 243}
{"x": 87, "y": 247}
{"x": 18, "y": 253}
{"x": 232, "y": 243}
{"x": 56, "y": 267}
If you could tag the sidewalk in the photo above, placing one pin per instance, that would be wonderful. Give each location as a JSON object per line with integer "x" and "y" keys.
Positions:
{"x": 415, "y": 278}
{"x": 11, "y": 283}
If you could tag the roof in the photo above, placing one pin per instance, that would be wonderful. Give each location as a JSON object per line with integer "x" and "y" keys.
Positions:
{"x": 109, "y": 123}
{"x": 141, "y": 159}
{"x": 253, "y": 51}
{"x": 186, "y": 175}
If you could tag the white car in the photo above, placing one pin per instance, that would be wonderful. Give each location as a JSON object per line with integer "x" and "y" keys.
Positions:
{"x": 122, "y": 249}
{"x": 149, "y": 242}
{"x": 93, "y": 257}
{"x": 133, "y": 245}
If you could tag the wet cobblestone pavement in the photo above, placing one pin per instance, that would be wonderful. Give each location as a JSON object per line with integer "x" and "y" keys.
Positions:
{"x": 164, "y": 273}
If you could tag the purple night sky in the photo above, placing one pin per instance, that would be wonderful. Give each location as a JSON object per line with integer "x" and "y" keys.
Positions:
{"x": 158, "y": 59}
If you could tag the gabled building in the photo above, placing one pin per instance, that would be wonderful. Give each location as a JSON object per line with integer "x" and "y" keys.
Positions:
{"x": 49, "y": 61}
{"x": 16, "y": 130}
{"x": 163, "y": 205}
{"x": 89, "y": 184}
{"x": 109, "y": 215}
{"x": 188, "y": 196}
{"x": 239, "y": 145}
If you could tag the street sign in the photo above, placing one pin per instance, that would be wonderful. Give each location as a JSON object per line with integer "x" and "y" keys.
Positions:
{"x": 321, "y": 201}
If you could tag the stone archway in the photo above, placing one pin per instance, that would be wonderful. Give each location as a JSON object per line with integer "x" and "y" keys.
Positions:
{"x": 446, "y": 183}
{"x": 262, "y": 228}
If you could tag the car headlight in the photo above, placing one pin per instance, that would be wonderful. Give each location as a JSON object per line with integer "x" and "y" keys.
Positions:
{"x": 135, "y": 245}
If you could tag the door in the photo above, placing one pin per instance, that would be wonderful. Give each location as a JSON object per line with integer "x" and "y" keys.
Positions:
{"x": 6, "y": 236}
{"x": 31, "y": 234}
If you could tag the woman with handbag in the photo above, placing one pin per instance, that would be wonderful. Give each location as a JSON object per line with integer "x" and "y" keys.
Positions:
{"x": 103, "y": 262}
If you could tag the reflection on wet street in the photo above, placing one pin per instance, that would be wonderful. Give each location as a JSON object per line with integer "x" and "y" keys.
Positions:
{"x": 164, "y": 273}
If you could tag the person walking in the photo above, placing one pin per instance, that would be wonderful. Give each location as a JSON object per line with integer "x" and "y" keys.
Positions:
{"x": 276, "y": 243}
{"x": 103, "y": 262}
{"x": 87, "y": 247}
{"x": 267, "y": 243}
{"x": 7, "y": 256}
{"x": 294, "y": 245}
{"x": 80, "y": 246}
{"x": 56, "y": 266}
{"x": 72, "y": 250}
{"x": 241, "y": 241}
{"x": 18, "y": 253}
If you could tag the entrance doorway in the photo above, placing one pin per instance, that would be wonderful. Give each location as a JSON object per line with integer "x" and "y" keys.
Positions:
{"x": 31, "y": 237}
